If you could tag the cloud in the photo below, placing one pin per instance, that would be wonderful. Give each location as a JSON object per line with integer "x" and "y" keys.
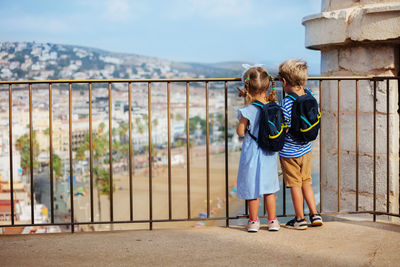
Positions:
{"x": 42, "y": 24}
{"x": 220, "y": 8}
{"x": 117, "y": 10}
{"x": 238, "y": 13}
{"x": 207, "y": 10}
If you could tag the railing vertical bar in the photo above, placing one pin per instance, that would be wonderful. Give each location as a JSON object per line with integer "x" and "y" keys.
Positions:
{"x": 130, "y": 151}
{"x": 71, "y": 171}
{"x": 264, "y": 207}
{"x": 226, "y": 157}
{"x": 284, "y": 197}
{"x": 91, "y": 154}
{"x": 31, "y": 155}
{"x": 283, "y": 179}
{"x": 51, "y": 152}
{"x": 11, "y": 151}
{"x": 188, "y": 150}
{"x": 208, "y": 151}
{"x": 150, "y": 159}
{"x": 387, "y": 146}
{"x": 321, "y": 164}
{"x": 169, "y": 151}
{"x": 374, "y": 216}
{"x": 338, "y": 150}
{"x": 110, "y": 150}
{"x": 357, "y": 145}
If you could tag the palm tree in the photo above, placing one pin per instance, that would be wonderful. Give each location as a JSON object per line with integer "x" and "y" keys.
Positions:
{"x": 102, "y": 183}
{"x": 99, "y": 148}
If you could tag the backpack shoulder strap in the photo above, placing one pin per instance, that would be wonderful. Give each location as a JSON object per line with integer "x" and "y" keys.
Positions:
{"x": 258, "y": 104}
{"x": 293, "y": 96}
{"x": 251, "y": 135}
{"x": 308, "y": 91}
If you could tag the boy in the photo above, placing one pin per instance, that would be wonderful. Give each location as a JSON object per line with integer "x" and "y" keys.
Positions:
{"x": 295, "y": 157}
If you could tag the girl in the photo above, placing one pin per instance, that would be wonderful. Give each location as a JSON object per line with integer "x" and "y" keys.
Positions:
{"x": 258, "y": 169}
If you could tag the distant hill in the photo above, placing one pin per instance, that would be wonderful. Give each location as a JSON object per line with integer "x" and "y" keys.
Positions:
{"x": 46, "y": 61}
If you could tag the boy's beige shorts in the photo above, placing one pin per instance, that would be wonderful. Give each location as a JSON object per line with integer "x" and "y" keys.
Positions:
{"x": 297, "y": 171}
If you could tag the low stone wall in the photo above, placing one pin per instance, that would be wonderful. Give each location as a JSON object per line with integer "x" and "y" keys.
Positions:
{"x": 348, "y": 156}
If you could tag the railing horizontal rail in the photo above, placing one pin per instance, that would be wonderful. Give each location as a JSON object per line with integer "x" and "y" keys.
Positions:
{"x": 190, "y": 80}
{"x": 124, "y": 81}
{"x": 191, "y": 219}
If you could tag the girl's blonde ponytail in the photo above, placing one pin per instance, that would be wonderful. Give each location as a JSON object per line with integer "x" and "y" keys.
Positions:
{"x": 271, "y": 97}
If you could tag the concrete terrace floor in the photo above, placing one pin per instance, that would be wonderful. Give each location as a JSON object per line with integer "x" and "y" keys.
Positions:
{"x": 339, "y": 243}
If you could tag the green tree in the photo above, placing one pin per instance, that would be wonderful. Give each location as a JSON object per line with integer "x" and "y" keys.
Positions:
{"x": 46, "y": 131}
{"x": 155, "y": 122}
{"x": 23, "y": 147}
{"x": 145, "y": 118}
{"x": 122, "y": 130}
{"x": 221, "y": 122}
{"x": 193, "y": 122}
{"x": 179, "y": 143}
{"x": 57, "y": 162}
{"x": 57, "y": 166}
{"x": 179, "y": 117}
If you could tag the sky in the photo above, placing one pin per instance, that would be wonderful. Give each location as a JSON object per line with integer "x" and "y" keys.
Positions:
{"x": 205, "y": 31}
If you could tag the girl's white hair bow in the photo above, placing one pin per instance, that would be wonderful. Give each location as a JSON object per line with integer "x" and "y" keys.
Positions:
{"x": 247, "y": 67}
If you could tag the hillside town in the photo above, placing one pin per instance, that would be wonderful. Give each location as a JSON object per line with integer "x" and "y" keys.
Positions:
{"x": 37, "y": 61}
{"x": 24, "y": 61}
{"x": 49, "y": 62}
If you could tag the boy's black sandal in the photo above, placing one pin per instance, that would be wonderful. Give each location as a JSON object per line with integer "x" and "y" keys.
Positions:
{"x": 316, "y": 219}
{"x": 297, "y": 224}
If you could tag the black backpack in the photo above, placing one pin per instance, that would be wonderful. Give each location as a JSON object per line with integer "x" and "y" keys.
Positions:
{"x": 305, "y": 118}
{"x": 272, "y": 127}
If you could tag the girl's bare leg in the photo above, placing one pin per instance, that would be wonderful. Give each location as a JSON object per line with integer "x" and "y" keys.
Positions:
{"x": 253, "y": 208}
{"x": 270, "y": 203}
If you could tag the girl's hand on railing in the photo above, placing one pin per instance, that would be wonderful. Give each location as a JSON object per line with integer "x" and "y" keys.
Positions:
{"x": 241, "y": 93}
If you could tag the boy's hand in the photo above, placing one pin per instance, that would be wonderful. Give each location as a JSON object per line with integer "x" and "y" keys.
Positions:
{"x": 241, "y": 93}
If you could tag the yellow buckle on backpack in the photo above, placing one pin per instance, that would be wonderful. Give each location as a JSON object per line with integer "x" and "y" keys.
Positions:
{"x": 312, "y": 126}
{"x": 284, "y": 125}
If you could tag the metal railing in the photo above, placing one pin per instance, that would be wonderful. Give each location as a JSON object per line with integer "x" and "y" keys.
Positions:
{"x": 168, "y": 82}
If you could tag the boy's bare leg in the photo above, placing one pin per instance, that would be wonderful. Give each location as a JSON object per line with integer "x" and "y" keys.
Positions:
{"x": 308, "y": 194}
{"x": 253, "y": 208}
{"x": 297, "y": 198}
{"x": 270, "y": 203}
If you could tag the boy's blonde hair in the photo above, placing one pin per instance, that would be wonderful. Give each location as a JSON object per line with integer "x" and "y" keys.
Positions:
{"x": 257, "y": 80}
{"x": 294, "y": 71}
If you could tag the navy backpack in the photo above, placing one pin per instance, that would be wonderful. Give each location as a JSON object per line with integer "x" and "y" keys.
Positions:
{"x": 305, "y": 118}
{"x": 272, "y": 126}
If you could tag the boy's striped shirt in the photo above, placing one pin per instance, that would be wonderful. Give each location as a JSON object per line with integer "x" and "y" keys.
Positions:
{"x": 291, "y": 148}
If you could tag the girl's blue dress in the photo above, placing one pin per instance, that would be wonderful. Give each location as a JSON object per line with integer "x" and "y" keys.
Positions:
{"x": 258, "y": 170}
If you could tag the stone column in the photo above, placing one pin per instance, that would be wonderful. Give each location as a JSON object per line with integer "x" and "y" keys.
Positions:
{"x": 358, "y": 38}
